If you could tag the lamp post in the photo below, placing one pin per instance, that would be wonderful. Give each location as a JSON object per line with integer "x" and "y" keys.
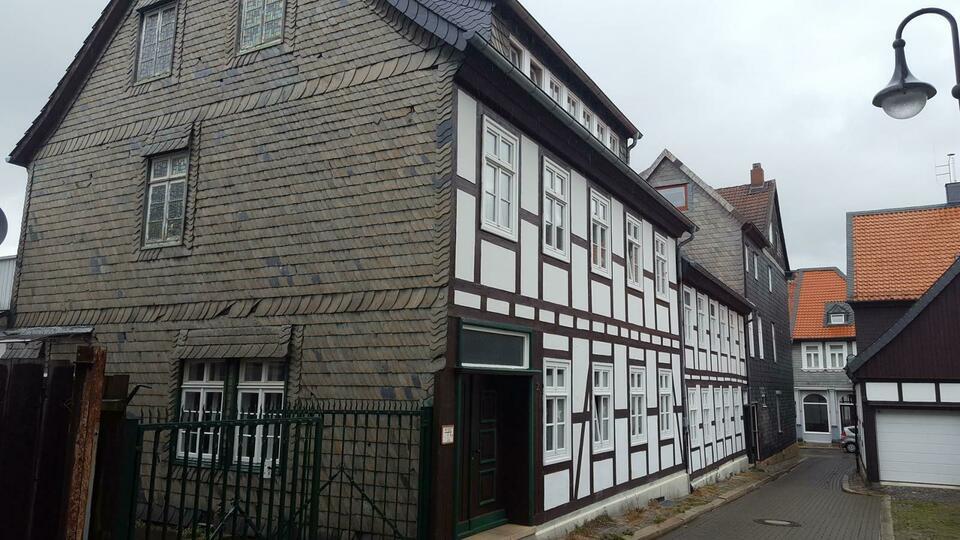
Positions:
{"x": 905, "y": 95}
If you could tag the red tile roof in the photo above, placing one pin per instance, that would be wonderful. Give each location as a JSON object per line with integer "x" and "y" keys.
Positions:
{"x": 899, "y": 254}
{"x": 753, "y": 203}
{"x": 816, "y": 288}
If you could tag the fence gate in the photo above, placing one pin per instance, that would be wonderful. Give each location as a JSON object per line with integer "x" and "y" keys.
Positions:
{"x": 334, "y": 470}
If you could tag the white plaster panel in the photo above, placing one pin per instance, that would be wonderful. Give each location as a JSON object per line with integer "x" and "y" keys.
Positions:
{"x": 598, "y": 326}
{"x": 638, "y": 464}
{"x": 555, "y": 287}
{"x": 882, "y": 391}
{"x": 466, "y": 235}
{"x": 663, "y": 318}
{"x": 600, "y": 297}
{"x": 649, "y": 306}
{"x": 602, "y": 475}
{"x": 634, "y": 310}
{"x": 616, "y": 232}
{"x": 583, "y": 324}
{"x": 674, "y": 312}
{"x": 647, "y": 248}
{"x": 602, "y": 348}
{"x": 529, "y": 175}
{"x": 498, "y": 306}
{"x": 926, "y": 392}
{"x": 619, "y": 292}
{"x": 556, "y": 489}
{"x": 498, "y": 267}
{"x": 565, "y": 320}
{"x": 556, "y": 342}
{"x": 529, "y": 259}
{"x": 527, "y": 312}
{"x": 581, "y": 363}
{"x": 620, "y": 377}
{"x": 466, "y": 136}
{"x": 578, "y": 265}
{"x": 547, "y": 316}
{"x": 653, "y": 436}
{"x": 623, "y": 450}
{"x": 950, "y": 392}
{"x": 666, "y": 456}
{"x": 466, "y": 299}
{"x": 672, "y": 259}
{"x": 578, "y": 204}
{"x": 584, "y": 487}
{"x": 635, "y": 353}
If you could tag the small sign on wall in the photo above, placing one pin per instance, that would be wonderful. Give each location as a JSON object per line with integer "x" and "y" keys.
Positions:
{"x": 446, "y": 434}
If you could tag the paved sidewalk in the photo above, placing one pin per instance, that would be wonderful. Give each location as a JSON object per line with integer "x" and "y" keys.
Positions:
{"x": 810, "y": 496}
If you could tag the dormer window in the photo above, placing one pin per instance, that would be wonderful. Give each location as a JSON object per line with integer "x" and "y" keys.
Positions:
{"x": 588, "y": 120}
{"x": 573, "y": 106}
{"x": 838, "y": 318}
{"x": 515, "y": 55}
{"x": 556, "y": 90}
{"x": 536, "y": 74}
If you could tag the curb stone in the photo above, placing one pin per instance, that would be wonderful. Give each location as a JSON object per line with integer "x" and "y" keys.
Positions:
{"x": 886, "y": 519}
{"x": 675, "y": 522}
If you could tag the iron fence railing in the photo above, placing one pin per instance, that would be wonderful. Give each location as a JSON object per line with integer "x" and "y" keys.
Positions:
{"x": 327, "y": 470}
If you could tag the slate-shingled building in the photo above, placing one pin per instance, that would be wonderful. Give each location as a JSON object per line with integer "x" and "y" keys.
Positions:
{"x": 387, "y": 199}
{"x": 741, "y": 242}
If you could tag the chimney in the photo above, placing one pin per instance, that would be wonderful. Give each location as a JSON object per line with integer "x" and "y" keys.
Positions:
{"x": 953, "y": 193}
{"x": 756, "y": 175}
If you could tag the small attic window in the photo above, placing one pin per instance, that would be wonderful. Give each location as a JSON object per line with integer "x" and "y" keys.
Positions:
{"x": 158, "y": 28}
{"x": 838, "y": 318}
{"x": 515, "y": 55}
{"x": 677, "y": 195}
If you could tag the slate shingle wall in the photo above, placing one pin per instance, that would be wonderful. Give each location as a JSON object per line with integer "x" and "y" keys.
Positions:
{"x": 315, "y": 200}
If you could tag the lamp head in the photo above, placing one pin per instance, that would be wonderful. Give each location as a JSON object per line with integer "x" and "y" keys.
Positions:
{"x": 904, "y": 96}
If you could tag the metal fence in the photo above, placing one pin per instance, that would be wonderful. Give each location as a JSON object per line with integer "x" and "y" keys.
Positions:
{"x": 328, "y": 470}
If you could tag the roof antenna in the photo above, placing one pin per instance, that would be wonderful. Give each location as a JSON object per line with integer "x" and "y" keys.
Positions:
{"x": 947, "y": 169}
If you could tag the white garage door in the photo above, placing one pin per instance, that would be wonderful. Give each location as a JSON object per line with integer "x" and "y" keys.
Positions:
{"x": 919, "y": 446}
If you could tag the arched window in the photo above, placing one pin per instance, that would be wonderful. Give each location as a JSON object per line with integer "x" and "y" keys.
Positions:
{"x": 815, "y": 415}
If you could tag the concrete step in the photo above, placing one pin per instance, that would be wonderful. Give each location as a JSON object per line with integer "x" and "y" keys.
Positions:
{"x": 506, "y": 532}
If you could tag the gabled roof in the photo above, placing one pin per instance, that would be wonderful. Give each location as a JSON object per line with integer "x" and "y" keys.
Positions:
{"x": 755, "y": 203}
{"x": 915, "y": 310}
{"x": 896, "y": 254}
{"x": 748, "y": 225}
{"x": 814, "y": 291}
{"x": 455, "y": 22}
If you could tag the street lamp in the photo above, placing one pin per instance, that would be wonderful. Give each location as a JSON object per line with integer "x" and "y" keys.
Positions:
{"x": 905, "y": 95}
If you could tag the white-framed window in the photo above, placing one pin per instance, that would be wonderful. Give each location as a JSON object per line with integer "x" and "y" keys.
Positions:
{"x": 166, "y": 200}
{"x": 718, "y": 413}
{"x": 709, "y": 430}
{"x": 838, "y": 318}
{"x": 714, "y": 328}
{"x": 201, "y": 400}
{"x": 734, "y": 336}
{"x": 812, "y": 356}
{"x": 614, "y": 143}
{"x": 727, "y": 412}
{"x": 746, "y": 260}
{"x": 536, "y": 73}
{"x": 158, "y": 28}
{"x": 556, "y": 410}
{"x": 756, "y": 268}
{"x": 769, "y": 278}
{"x": 556, "y": 91}
{"x": 634, "y": 252}
{"x": 665, "y": 387}
{"x": 261, "y": 23}
{"x": 599, "y": 233}
{"x": 494, "y": 348}
{"x": 638, "y": 405}
{"x": 773, "y": 339}
{"x": 750, "y": 337}
{"x": 588, "y": 120}
{"x": 601, "y": 133}
{"x": 676, "y": 195}
{"x": 660, "y": 268}
{"x": 689, "y": 323}
{"x": 693, "y": 404}
{"x": 259, "y": 390}
{"x": 573, "y": 106}
{"x": 836, "y": 355}
{"x": 741, "y": 344}
{"x": 515, "y": 55}
{"x": 724, "y": 330}
{"x": 779, "y": 419}
{"x": 602, "y": 407}
{"x": 500, "y": 186}
{"x": 556, "y": 209}
{"x": 702, "y": 321}
{"x": 760, "y": 337}
{"x": 738, "y": 410}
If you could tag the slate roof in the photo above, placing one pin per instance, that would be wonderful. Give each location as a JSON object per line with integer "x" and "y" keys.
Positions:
{"x": 754, "y": 203}
{"x": 897, "y": 254}
{"x": 951, "y": 273}
{"x": 812, "y": 292}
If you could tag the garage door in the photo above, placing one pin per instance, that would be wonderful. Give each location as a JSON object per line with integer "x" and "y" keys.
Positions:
{"x": 919, "y": 446}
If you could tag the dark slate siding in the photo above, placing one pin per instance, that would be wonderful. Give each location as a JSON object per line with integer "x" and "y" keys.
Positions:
{"x": 768, "y": 377}
{"x": 317, "y": 199}
{"x": 874, "y": 318}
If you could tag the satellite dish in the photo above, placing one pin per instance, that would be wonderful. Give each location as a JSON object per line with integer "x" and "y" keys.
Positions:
{"x": 3, "y": 226}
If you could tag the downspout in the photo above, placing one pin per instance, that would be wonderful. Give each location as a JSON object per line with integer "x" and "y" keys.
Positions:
{"x": 636, "y": 138}
{"x": 685, "y": 443}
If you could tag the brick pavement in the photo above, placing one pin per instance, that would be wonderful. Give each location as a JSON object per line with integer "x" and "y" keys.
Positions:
{"x": 810, "y": 495}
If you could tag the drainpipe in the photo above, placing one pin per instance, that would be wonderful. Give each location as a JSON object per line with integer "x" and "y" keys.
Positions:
{"x": 635, "y": 140}
{"x": 683, "y": 355}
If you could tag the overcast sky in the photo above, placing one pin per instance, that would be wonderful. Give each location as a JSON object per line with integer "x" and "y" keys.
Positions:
{"x": 721, "y": 84}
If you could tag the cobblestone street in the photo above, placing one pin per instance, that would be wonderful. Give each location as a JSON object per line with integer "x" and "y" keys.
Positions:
{"x": 809, "y": 497}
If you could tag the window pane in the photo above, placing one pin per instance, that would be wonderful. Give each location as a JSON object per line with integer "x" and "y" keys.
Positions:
{"x": 253, "y": 371}
{"x": 249, "y": 404}
{"x": 272, "y": 401}
{"x": 276, "y": 371}
{"x": 194, "y": 371}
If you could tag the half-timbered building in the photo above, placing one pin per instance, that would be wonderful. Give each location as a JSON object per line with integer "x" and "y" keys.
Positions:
{"x": 714, "y": 374}
{"x": 250, "y": 203}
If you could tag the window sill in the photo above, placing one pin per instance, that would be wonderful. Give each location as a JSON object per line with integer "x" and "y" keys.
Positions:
{"x": 556, "y": 459}
{"x": 602, "y": 449}
{"x": 600, "y": 271}
{"x": 637, "y": 286}
{"x": 155, "y": 78}
{"x": 662, "y": 296}
{"x": 555, "y": 254}
{"x": 243, "y": 52}
{"x": 166, "y": 251}
{"x": 506, "y": 234}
